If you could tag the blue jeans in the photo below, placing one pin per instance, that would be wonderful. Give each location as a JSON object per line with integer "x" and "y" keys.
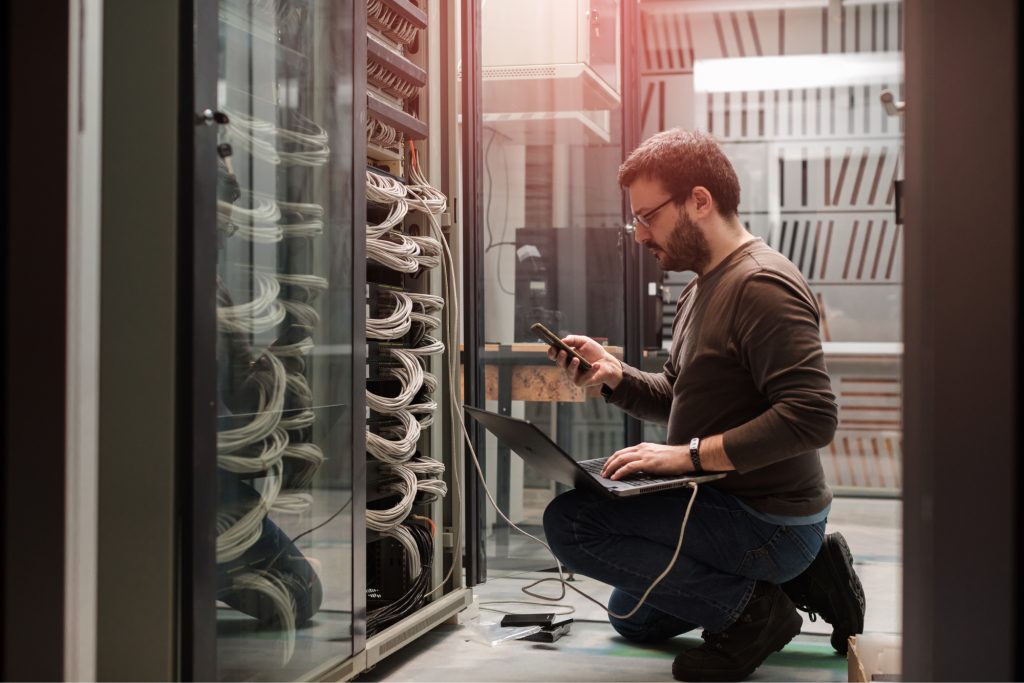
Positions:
{"x": 627, "y": 543}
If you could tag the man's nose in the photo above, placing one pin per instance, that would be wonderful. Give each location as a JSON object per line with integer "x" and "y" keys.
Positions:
{"x": 641, "y": 234}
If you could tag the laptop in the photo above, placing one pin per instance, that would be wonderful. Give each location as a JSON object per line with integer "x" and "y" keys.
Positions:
{"x": 534, "y": 446}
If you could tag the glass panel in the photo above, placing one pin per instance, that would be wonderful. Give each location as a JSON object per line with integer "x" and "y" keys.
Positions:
{"x": 554, "y": 240}
{"x": 794, "y": 95}
{"x": 284, "y": 352}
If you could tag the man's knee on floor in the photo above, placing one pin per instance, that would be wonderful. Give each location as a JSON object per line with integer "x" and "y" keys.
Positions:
{"x": 634, "y": 632}
{"x": 636, "y": 628}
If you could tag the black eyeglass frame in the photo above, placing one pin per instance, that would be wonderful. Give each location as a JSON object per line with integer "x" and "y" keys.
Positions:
{"x": 645, "y": 219}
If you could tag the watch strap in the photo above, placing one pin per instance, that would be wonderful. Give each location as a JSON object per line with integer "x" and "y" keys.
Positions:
{"x": 695, "y": 454}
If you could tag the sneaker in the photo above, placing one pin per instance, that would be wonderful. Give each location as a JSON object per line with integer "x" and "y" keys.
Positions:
{"x": 768, "y": 622}
{"x": 830, "y": 587}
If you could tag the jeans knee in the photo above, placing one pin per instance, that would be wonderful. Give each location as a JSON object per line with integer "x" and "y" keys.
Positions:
{"x": 558, "y": 519}
{"x": 648, "y": 625}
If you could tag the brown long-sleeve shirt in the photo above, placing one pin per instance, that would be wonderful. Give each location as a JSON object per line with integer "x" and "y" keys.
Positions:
{"x": 746, "y": 362}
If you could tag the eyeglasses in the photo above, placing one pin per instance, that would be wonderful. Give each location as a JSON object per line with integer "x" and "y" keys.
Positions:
{"x": 645, "y": 219}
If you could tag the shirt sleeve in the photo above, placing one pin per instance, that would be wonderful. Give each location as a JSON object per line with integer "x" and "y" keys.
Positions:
{"x": 645, "y": 395}
{"x": 777, "y": 338}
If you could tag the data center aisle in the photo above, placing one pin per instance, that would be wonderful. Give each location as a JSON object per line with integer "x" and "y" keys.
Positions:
{"x": 594, "y": 652}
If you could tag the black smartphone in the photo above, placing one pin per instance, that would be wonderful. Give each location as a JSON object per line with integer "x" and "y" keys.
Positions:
{"x": 555, "y": 341}
{"x": 528, "y": 619}
{"x": 550, "y": 634}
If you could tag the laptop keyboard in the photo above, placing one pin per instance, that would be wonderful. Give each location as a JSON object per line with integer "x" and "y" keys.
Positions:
{"x": 595, "y": 466}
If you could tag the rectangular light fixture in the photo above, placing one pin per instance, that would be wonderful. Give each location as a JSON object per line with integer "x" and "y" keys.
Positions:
{"x": 745, "y": 74}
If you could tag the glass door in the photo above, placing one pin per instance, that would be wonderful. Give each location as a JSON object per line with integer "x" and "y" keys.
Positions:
{"x": 284, "y": 338}
{"x": 554, "y": 246}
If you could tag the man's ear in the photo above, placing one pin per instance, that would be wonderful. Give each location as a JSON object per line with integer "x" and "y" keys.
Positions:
{"x": 702, "y": 199}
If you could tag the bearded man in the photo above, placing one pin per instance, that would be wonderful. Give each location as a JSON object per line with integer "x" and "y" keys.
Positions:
{"x": 744, "y": 391}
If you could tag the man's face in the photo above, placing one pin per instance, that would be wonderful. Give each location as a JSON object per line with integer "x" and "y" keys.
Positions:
{"x": 670, "y": 235}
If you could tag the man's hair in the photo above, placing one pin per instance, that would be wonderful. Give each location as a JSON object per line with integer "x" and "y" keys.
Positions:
{"x": 681, "y": 160}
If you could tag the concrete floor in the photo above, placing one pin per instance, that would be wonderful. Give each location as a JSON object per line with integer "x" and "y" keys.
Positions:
{"x": 594, "y": 652}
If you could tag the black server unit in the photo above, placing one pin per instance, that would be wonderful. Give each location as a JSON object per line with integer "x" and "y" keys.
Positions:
{"x": 564, "y": 276}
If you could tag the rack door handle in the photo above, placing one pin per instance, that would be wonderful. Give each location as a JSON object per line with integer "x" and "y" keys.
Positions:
{"x": 209, "y": 117}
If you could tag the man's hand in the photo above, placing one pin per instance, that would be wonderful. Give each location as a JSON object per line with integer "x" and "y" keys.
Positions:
{"x": 606, "y": 368}
{"x": 649, "y": 458}
{"x": 657, "y": 458}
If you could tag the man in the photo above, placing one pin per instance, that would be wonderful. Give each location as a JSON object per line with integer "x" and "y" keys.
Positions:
{"x": 744, "y": 391}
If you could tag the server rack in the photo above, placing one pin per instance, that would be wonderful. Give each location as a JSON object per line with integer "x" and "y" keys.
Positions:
{"x": 315, "y": 409}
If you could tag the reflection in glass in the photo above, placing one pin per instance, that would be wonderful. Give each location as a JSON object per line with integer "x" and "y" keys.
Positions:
{"x": 284, "y": 340}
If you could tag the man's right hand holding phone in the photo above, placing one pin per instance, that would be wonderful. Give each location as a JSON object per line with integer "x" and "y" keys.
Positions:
{"x": 607, "y": 369}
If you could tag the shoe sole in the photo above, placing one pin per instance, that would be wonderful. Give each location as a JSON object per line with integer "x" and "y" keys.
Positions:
{"x": 788, "y": 631}
{"x": 842, "y": 568}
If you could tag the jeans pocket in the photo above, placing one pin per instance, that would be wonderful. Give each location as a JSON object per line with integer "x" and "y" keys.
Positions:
{"x": 759, "y": 564}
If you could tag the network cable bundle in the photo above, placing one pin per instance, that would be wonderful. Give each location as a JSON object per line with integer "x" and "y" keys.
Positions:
{"x": 402, "y": 331}
{"x": 404, "y": 321}
{"x": 271, "y": 154}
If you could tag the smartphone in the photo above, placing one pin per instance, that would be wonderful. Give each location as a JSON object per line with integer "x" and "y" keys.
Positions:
{"x": 555, "y": 341}
{"x": 528, "y": 619}
{"x": 550, "y": 634}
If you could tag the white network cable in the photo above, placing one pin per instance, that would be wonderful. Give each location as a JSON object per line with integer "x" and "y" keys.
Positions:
{"x": 430, "y": 347}
{"x": 430, "y": 251}
{"x": 396, "y": 479}
{"x": 309, "y": 453}
{"x": 432, "y": 486}
{"x": 394, "y": 325}
{"x": 381, "y": 134}
{"x": 396, "y": 214}
{"x": 303, "y": 219}
{"x": 431, "y": 303}
{"x": 410, "y": 373}
{"x": 428, "y": 408}
{"x": 384, "y": 189}
{"x": 277, "y": 592}
{"x": 430, "y": 382}
{"x": 394, "y": 251}
{"x": 270, "y": 453}
{"x": 399, "y": 449}
{"x": 271, "y": 388}
{"x": 263, "y": 224}
{"x": 424, "y": 465}
{"x": 258, "y": 224}
{"x": 298, "y": 420}
{"x": 298, "y": 387}
{"x": 292, "y": 503}
{"x": 309, "y": 285}
{"x": 235, "y": 535}
{"x": 297, "y": 350}
{"x": 264, "y": 312}
{"x": 389, "y": 22}
{"x": 262, "y": 139}
{"x": 303, "y": 315}
{"x": 387, "y": 80}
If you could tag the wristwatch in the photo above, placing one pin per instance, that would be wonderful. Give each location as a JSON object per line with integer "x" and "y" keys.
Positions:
{"x": 695, "y": 454}
{"x": 606, "y": 391}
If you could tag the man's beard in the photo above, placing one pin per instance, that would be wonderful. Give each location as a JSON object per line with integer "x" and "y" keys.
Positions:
{"x": 687, "y": 248}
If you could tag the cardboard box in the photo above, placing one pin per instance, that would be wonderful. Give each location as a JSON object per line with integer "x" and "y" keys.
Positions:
{"x": 874, "y": 657}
